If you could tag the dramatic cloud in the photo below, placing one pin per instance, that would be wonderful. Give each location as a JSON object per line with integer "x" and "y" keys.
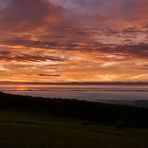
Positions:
{"x": 71, "y": 40}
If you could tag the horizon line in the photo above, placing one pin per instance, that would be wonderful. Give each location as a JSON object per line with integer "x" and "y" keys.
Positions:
{"x": 72, "y": 83}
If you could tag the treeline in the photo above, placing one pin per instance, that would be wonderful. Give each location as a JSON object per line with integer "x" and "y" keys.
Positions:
{"x": 100, "y": 112}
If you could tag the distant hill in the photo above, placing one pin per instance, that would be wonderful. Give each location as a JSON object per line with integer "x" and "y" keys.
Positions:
{"x": 73, "y": 83}
{"x": 99, "y": 112}
{"x": 132, "y": 103}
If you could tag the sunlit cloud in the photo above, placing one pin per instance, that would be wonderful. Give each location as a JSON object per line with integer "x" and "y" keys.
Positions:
{"x": 73, "y": 40}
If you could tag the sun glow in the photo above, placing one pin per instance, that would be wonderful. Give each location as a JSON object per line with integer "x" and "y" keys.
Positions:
{"x": 22, "y": 88}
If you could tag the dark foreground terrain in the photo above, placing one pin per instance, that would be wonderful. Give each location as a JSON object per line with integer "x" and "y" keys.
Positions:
{"x": 27, "y": 122}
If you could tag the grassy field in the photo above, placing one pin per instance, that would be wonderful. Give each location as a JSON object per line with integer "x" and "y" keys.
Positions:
{"x": 31, "y": 130}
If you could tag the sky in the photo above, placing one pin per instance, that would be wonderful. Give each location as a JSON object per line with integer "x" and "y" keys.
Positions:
{"x": 74, "y": 40}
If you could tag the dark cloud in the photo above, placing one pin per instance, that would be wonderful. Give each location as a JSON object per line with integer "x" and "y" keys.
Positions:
{"x": 138, "y": 50}
{"x": 128, "y": 50}
{"x": 27, "y": 57}
{"x": 30, "y": 43}
{"x": 24, "y": 14}
{"x": 49, "y": 75}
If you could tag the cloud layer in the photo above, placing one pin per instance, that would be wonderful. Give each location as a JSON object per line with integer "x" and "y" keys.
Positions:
{"x": 69, "y": 40}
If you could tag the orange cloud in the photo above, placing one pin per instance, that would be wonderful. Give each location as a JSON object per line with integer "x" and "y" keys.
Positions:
{"x": 62, "y": 40}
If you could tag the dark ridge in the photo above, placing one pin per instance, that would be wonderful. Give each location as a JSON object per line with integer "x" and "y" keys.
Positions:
{"x": 99, "y": 112}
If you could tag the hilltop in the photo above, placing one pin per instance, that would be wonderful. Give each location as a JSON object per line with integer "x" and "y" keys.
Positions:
{"x": 93, "y": 111}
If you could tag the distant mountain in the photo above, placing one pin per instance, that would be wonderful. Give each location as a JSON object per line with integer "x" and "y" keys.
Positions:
{"x": 74, "y": 83}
